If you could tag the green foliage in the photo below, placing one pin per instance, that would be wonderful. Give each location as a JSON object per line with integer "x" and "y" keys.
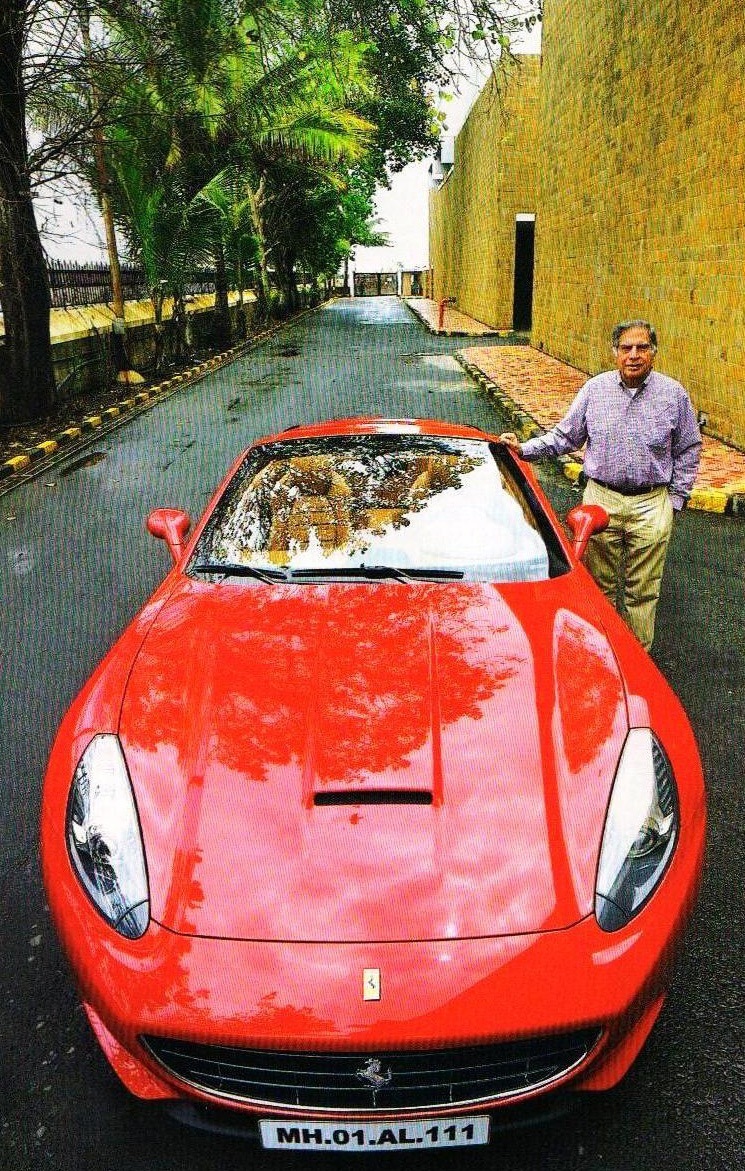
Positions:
{"x": 310, "y": 102}
{"x": 316, "y": 219}
{"x": 261, "y": 128}
{"x": 217, "y": 84}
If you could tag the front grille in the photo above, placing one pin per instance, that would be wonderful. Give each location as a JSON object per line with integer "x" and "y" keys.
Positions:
{"x": 382, "y": 1081}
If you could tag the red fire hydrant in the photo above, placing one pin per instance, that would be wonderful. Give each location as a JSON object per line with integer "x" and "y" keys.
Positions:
{"x": 441, "y": 310}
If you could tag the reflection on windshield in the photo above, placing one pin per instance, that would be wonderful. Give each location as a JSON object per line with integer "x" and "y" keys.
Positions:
{"x": 364, "y": 501}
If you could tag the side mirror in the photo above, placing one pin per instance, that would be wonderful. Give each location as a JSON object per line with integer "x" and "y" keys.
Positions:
{"x": 170, "y": 525}
{"x": 584, "y": 521}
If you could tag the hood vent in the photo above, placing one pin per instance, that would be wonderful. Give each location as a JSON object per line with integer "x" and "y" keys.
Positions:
{"x": 374, "y": 797}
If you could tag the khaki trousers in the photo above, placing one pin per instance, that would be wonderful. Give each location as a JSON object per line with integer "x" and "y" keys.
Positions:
{"x": 628, "y": 558}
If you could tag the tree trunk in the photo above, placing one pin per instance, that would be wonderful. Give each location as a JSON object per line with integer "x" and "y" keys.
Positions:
{"x": 241, "y": 319}
{"x": 294, "y": 293}
{"x": 119, "y": 328}
{"x": 157, "y": 296}
{"x": 256, "y": 209}
{"x": 285, "y": 272}
{"x": 25, "y": 301}
{"x": 223, "y": 331}
{"x": 180, "y": 326}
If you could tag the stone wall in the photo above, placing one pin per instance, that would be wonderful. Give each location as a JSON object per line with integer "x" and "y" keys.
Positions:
{"x": 472, "y": 216}
{"x": 642, "y": 195}
{"x": 638, "y": 152}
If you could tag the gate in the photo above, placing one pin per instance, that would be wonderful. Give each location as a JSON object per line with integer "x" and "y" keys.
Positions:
{"x": 375, "y": 284}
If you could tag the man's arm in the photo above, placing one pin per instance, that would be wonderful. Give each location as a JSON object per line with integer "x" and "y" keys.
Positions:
{"x": 685, "y": 453}
{"x": 566, "y": 436}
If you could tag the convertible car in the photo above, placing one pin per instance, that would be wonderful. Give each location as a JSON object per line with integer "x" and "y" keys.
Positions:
{"x": 377, "y": 825}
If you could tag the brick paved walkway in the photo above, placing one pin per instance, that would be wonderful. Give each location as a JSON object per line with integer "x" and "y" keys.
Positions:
{"x": 454, "y": 323}
{"x": 537, "y": 389}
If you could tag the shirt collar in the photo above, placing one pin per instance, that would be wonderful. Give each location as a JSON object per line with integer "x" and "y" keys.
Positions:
{"x": 632, "y": 390}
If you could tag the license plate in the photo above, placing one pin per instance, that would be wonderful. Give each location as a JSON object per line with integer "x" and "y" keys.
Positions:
{"x": 374, "y": 1136}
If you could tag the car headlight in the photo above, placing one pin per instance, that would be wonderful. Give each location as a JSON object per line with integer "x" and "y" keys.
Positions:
{"x": 104, "y": 840}
{"x": 640, "y": 830}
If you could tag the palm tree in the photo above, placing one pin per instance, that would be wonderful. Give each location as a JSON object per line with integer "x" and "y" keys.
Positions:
{"x": 167, "y": 234}
{"x": 246, "y": 91}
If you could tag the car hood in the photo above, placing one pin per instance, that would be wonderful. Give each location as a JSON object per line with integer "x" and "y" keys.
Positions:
{"x": 390, "y": 762}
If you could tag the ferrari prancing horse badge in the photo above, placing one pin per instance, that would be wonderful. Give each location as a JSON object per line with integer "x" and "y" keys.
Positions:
{"x": 371, "y": 984}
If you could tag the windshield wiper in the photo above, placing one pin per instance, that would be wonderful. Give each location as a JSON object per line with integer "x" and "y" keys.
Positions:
{"x": 270, "y": 576}
{"x": 360, "y": 572}
{"x": 377, "y": 573}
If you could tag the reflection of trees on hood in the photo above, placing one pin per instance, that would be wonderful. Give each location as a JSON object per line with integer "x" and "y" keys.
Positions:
{"x": 282, "y": 1020}
{"x": 588, "y": 690}
{"x": 347, "y": 673}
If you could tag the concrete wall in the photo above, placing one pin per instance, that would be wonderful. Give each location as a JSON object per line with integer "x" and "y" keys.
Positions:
{"x": 638, "y": 148}
{"x": 82, "y": 357}
{"x": 81, "y": 354}
{"x": 472, "y": 216}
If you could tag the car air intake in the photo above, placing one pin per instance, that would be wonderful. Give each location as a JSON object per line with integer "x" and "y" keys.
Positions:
{"x": 369, "y": 1082}
{"x": 374, "y": 797}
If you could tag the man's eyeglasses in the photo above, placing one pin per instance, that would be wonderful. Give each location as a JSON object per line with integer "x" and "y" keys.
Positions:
{"x": 640, "y": 347}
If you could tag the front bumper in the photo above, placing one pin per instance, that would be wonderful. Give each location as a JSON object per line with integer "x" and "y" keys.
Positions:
{"x": 434, "y": 995}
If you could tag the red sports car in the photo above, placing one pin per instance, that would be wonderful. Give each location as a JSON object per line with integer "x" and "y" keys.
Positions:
{"x": 377, "y": 821}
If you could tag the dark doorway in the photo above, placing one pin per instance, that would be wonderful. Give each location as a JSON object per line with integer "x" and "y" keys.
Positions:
{"x": 522, "y": 313}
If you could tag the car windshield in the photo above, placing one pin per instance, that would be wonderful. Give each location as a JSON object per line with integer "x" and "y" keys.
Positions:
{"x": 372, "y": 506}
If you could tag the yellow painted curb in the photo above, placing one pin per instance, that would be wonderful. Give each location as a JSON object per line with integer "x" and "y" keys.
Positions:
{"x": 708, "y": 499}
{"x": 572, "y": 471}
{"x": 527, "y": 429}
{"x": 18, "y": 462}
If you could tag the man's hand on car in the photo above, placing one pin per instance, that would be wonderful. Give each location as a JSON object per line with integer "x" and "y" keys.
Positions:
{"x": 509, "y": 439}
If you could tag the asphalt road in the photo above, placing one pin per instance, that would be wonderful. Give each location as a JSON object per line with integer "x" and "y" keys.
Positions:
{"x": 76, "y": 564}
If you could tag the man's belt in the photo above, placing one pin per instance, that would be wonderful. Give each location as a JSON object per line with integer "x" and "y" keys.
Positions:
{"x": 635, "y": 490}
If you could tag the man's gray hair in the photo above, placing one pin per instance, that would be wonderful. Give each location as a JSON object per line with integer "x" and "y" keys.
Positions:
{"x": 624, "y": 325}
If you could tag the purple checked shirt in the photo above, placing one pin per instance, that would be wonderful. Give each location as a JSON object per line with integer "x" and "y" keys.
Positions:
{"x": 635, "y": 438}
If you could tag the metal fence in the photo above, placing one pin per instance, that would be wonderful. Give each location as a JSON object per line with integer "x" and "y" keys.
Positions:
{"x": 90, "y": 284}
{"x": 375, "y": 284}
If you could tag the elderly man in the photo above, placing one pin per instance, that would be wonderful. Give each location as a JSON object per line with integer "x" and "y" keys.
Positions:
{"x": 643, "y": 448}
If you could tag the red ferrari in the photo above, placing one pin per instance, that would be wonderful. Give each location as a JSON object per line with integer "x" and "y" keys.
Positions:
{"x": 376, "y": 822}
